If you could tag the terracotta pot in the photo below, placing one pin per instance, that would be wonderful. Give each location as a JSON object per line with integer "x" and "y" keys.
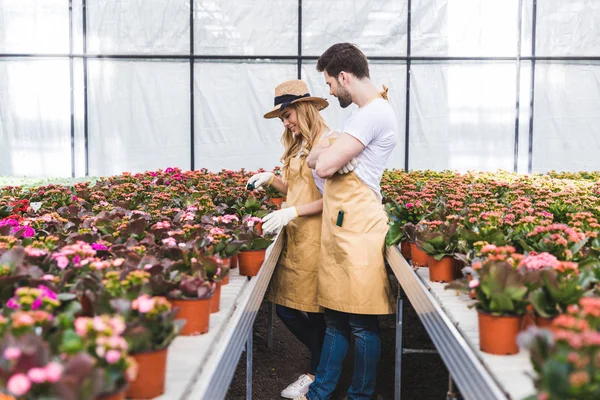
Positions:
{"x": 442, "y": 270}
{"x": 259, "y": 228}
{"x": 405, "y": 249}
{"x": 225, "y": 280}
{"x": 119, "y": 395}
{"x": 278, "y": 201}
{"x": 251, "y": 261}
{"x": 542, "y": 322}
{"x": 152, "y": 371}
{"x": 417, "y": 256}
{"x": 215, "y": 300}
{"x": 196, "y": 313}
{"x": 235, "y": 262}
{"x": 498, "y": 334}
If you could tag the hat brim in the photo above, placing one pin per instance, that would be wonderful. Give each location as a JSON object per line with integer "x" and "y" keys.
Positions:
{"x": 319, "y": 102}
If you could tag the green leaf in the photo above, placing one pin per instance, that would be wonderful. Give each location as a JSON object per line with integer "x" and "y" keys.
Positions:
{"x": 394, "y": 234}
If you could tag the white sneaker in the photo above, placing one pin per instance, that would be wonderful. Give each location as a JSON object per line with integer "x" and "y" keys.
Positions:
{"x": 297, "y": 389}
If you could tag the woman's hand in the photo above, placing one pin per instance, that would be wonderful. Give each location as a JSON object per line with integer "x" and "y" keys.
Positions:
{"x": 258, "y": 180}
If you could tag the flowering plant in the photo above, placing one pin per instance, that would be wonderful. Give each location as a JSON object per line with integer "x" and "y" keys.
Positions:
{"x": 437, "y": 238}
{"x": 100, "y": 337}
{"x": 567, "y": 364}
{"x": 31, "y": 299}
{"x": 249, "y": 235}
{"x": 500, "y": 288}
{"x": 560, "y": 283}
{"x": 28, "y": 371}
{"x": 151, "y": 323}
{"x": 562, "y": 241}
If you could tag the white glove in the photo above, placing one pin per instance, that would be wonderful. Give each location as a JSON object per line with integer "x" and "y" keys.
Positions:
{"x": 275, "y": 221}
{"x": 352, "y": 164}
{"x": 261, "y": 178}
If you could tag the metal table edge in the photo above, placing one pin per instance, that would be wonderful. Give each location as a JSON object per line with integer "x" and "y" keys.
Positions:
{"x": 472, "y": 377}
{"x": 229, "y": 350}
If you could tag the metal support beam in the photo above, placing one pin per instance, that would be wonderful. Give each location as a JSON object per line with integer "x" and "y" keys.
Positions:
{"x": 270, "y": 325}
{"x": 249, "y": 367}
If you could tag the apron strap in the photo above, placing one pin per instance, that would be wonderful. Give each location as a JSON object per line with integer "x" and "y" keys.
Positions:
{"x": 384, "y": 93}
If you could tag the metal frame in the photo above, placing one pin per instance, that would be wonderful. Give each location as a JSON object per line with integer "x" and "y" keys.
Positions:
{"x": 299, "y": 58}
{"x": 473, "y": 379}
{"x": 217, "y": 372}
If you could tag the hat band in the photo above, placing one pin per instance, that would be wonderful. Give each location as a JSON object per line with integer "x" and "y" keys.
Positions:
{"x": 287, "y": 99}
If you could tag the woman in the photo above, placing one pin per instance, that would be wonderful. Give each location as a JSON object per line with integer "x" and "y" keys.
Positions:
{"x": 294, "y": 284}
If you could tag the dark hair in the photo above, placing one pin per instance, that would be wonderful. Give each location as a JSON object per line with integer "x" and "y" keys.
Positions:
{"x": 344, "y": 57}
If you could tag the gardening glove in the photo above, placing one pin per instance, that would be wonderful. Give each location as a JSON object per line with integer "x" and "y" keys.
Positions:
{"x": 351, "y": 166}
{"x": 260, "y": 179}
{"x": 275, "y": 221}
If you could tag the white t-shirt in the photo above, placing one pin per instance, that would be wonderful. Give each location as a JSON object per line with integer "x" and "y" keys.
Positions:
{"x": 376, "y": 127}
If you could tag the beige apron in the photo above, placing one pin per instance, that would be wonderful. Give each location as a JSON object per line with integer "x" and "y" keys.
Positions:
{"x": 352, "y": 277}
{"x": 294, "y": 281}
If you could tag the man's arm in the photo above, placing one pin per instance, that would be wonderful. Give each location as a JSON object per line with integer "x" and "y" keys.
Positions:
{"x": 333, "y": 158}
{"x": 314, "y": 155}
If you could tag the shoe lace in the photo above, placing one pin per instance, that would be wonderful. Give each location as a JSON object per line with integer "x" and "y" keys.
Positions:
{"x": 303, "y": 380}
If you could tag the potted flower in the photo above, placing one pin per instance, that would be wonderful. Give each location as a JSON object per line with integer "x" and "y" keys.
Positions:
{"x": 501, "y": 293}
{"x": 560, "y": 284}
{"x": 101, "y": 338}
{"x": 566, "y": 363}
{"x": 439, "y": 240}
{"x": 418, "y": 257}
{"x": 254, "y": 246}
{"x": 182, "y": 281}
{"x": 150, "y": 329}
{"x": 28, "y": 371}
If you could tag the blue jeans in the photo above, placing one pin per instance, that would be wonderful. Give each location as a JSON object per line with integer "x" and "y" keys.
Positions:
{"x": 309, "y": 328}
{"x": 367, "y": 352}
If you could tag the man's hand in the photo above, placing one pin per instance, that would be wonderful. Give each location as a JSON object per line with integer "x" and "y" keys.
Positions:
{"x": 351, "y": 166}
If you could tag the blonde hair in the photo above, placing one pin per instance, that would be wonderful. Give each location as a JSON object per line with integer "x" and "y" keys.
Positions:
{"x": 311, "y": 125}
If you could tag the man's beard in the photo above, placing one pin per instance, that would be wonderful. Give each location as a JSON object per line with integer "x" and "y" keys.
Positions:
{"x": 344, "y": 97}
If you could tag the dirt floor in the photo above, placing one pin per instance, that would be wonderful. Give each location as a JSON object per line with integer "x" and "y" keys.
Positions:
{"x": 424, "y": 376}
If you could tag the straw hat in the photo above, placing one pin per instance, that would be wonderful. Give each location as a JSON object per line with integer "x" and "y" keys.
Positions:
{"x": 290, "y": 92}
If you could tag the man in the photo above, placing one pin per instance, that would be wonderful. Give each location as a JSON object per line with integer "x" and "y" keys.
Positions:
{"x": 352, "y": 283}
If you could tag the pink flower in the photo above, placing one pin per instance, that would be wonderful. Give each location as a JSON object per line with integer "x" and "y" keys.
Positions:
{"x": 62, "y": 262}
{"x": 18, "y": 384}
{"x": 48, "y": 277}
{"x": 53, "y": 371}
{"x": 118, "y": 325}
{"x": 217, "y": 231}
{"x": 12, "y": 353}
{"x": 409, "y": 205}
{"x": 12, "y": 303}
{"x": 98, "y": 324}
{"x": 143, "y": 304}
{"x": 170, "y": 242}
{"x": 98, "y": 246}
{"x": 473, "y": 283}
{"x": 37, "y": 375}
{"x": 81, "y": 326}
{"x": 37, "y": 303}
{"x": 112, "y": 356}
{"x": 118, "y": 262}
{"x": 29, "y": 232}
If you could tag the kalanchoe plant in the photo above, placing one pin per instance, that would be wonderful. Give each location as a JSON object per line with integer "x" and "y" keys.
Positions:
{"x": 100, "y": 337}
{"x": 500, "y": 288}
{"x": 437, "y": 238}
{"x": 401, "y": 214}
{"x": 567, "y": 363}
{"x": 248, "y": 234}
{"x": 29, "y": 372}
{"x": 151, "y": 323}
{"x": 560, "y": 283}
{"x": 562, "y": 241}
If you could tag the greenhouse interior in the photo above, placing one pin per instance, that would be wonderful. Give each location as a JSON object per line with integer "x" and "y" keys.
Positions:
{"x": 300, "y": 199}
